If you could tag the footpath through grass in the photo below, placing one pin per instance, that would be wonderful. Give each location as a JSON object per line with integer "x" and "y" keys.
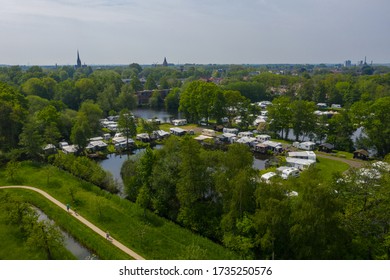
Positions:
{"x": 152, "y": 237}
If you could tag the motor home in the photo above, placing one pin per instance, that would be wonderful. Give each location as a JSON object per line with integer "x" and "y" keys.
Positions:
{"x": 308, "y": 146}
{"x": 303, "y": 155}
{"x": 245, "y": 134}
{"x": 267, "y": 177}
{"x": 230, "y": 130}
{"x": 179, "y": 122}
{"x": 263, "y": 137}
{"x": 299, "y": 163}
{"x": 290, "y": 172}
{"x": 209, "y": 132}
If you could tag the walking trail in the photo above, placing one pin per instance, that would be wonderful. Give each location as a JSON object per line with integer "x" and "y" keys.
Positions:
{"x": 81, "y": 219}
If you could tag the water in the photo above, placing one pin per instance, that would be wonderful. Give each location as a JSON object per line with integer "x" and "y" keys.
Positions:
{"x": 78, "y": 250}
{"x": 147, "y": 113}
{"x": 113, "y": 163}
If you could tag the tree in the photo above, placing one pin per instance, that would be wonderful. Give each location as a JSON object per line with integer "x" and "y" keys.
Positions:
{"x": 235, "y": 103}
{"x": 67, "y": 93}
{"x": 302, "y": 120}
{"x": 127, "y": 99}
{"x": 87, "y": 89}
{"x": 45, "y": 236}
{"x": 172, "y": 101}
{"x": 197, "y": 99}
{"x": 31, "y": 139}
{"x": 280, "y": 114}
{"x": 340, "y": 130}
{"x": 93, "y": 113}
{"x": 150, "y": 83}
{"x": 156, "y": 101}
{"x": 127, "y": 126}
{"x": 376, "y": 123}
{"x": 81, "y": 132}
{"x": 219, "y": 107}
{"x": 13, "y": 111}
{"x": 106, "y": 99}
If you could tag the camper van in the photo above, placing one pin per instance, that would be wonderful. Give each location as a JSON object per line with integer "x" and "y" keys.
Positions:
{"x": 179, "y": 122}
{"x": 267, "y": 177}
{"x": 209, "y": 132}
{"x": 290, "y": 172}
{"x": 263, "y": 137}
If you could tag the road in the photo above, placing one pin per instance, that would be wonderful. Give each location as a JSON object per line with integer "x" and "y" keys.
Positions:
{"x": 350, "y": 162}
{"x": 81, "y": 219}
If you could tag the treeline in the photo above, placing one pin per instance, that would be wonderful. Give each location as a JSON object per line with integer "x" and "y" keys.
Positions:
{"x": 218, "y": 195}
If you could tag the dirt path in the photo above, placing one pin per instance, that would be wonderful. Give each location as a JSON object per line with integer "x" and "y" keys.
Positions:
{"x": 350, "y": 162}
{"x": 81, "y": 219}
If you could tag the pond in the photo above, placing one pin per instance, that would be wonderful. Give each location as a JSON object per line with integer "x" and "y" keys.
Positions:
{"x": 147, "y": 113}
{"x": 77, "y": 249}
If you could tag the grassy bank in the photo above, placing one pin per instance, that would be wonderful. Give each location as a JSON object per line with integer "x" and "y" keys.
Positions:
{"x": 152, "y": 237}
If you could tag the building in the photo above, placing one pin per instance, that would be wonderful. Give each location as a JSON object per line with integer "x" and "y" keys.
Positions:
{"x": 165, "y": 63}
{"x": 78, "y": 62}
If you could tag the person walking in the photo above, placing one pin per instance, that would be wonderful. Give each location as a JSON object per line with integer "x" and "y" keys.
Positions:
{"x": 67, "y": 207}
{"x": 107, "y": 235}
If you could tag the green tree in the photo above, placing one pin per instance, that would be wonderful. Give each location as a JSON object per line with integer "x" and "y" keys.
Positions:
{"x": 127, "y": 126}
{"x": 87, "y": 89}
{"x": 81, "y": 132}
{"x": 280, "y": 114}
{"x": 303, "y": 120}
{"x": 13, "y": 111}
{"x": 150, "y": 83}
{"x": 172, "y": 101}
{"x": 93, "y": 113}
{"x": 340, "y": 130}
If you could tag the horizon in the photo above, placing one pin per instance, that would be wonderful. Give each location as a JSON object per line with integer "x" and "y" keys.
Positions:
{"x": 41, "y": 32}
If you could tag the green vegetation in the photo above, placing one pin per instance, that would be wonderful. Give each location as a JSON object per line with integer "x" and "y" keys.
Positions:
{"x": 150, "y": 236}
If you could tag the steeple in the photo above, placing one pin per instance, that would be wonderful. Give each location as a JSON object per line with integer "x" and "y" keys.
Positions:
{"x": 78, "y": 60}
{"x": 165, "y": 63}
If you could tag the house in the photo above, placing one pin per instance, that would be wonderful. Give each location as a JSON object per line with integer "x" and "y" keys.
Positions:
{"x": 290, "y": 172}
{"x": 96, "y": 145}
{"x": 250, "y": 141}
{"x": 261, "y": 148}
{"x": 106, "y": 136}
{"x": 160, "y": 134}
{"x": 230, "y": 130}
{"x": 230, "y": 137}
{"x": 326, "y": 147}
{"x": 209, "y": 132}
{"x": 267, "y": 176}
{"x": 177, "y": 131}
{"x": 49, "y": 149}
{"x": 273, "y": 146}
{"x": 308, "y": 146}
{"x": 179, "y": 122}
{"x": 69, "y": 149}
{"x": 144, "y": 137}
{"x": 361, "y": 154}
{"x": 303, "y": 155}
{"x": 299, "y": 163}
{"x": 263, "y": 137}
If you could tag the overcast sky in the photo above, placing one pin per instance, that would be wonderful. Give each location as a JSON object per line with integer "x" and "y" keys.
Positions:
{"x": 46, "y": 32}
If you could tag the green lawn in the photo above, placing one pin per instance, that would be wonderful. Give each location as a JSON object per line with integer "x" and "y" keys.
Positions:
{"x": 328, "y": 167}
{"x": 151, "y": 237}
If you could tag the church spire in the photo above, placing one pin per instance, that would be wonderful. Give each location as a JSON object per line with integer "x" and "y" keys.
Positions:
{"x": 165, "y": 63}
{"x": 78, "y": 60}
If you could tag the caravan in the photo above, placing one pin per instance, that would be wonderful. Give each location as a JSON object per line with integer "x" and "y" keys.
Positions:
{"x": 290, "y": 172}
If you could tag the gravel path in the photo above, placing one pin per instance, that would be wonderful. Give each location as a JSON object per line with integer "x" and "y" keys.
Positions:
{"x": 81, "y": 219}
{"x": 350, "y": 162}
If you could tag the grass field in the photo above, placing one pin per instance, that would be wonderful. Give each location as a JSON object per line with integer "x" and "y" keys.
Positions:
{"x": 152, "y": 237}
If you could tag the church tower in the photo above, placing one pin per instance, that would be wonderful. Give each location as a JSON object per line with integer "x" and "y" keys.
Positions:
{"x": 165, "y": 63}
{"x": 78, "y": 60}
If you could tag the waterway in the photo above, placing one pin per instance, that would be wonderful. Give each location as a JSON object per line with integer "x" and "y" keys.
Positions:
{"x": 77, "y": 249}
{"x": 147, "y": 113}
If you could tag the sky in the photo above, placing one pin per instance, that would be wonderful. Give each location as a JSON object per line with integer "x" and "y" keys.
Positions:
{"x": 48, "y": 32}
